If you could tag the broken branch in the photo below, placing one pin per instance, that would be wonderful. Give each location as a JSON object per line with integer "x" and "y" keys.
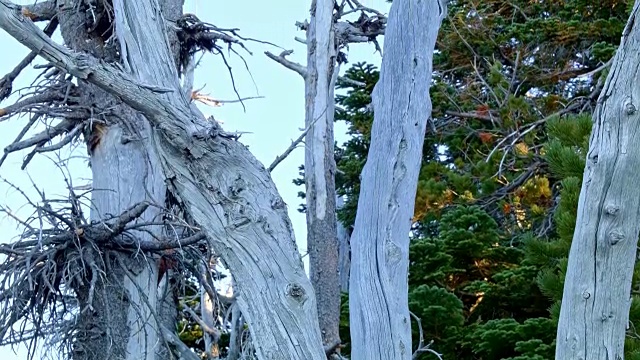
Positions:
{"x": 294, "y": 144}
{"x": 40, "y": 11}
{"x": 280, "y": 59}
{"x": 7, "y": 81}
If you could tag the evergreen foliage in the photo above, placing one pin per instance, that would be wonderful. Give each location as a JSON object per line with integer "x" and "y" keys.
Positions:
{"x": 514, "y": 86}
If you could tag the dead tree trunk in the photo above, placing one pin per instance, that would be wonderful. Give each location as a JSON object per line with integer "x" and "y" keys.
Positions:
{"x": 320, "y": 167}
{"x": 344, "y": 251}
{"x": 220, "y": 184}
{"x": 126, "y": 171}
{"x": 379, "y": 313}
{"x": 326, "y": 34}
{"x": 597, "y": 287}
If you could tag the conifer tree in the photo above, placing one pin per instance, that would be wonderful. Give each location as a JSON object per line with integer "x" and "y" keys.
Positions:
{"x": 514, "y": 86}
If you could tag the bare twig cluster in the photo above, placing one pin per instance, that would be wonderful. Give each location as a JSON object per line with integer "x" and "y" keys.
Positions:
{"x": 366, "y": 28}
{"x": 196, "y": 35}
{"x": 59, "y": 251}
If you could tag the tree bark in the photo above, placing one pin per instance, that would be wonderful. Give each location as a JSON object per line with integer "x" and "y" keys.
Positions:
{"x": 222, "y": 186}
{"x": 379, "y": 314}
{"x": 121, "y": 323}
{"x": 344, "y": 251}
{"x": 597, "y": 288}
{"x": 320, "y": 167}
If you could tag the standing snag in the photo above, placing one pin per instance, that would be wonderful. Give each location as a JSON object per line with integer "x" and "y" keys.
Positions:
{"x": 379, "y": 311}
{"x": 596, "y": 297}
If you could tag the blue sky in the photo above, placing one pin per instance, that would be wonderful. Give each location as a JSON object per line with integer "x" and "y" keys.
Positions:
{"x": 272, "y": 121}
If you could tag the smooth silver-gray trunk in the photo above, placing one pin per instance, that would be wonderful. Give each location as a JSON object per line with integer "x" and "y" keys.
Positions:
{"x": 379, "y": 314}
{"x": 597, "y": 288}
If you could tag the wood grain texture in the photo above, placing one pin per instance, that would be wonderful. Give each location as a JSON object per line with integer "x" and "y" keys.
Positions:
{"x": 379, "y": 311}
{"x": 597, "y": 288}
{"x": 320, "y": 167}
{"x": 223, "y": 187}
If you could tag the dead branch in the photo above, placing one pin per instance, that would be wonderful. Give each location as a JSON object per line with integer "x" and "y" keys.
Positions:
{"x": 472, "y": 115}
{"x": 29, "y": 102}
{"x": 350, "y": 81}
{"x": 280, "y": 59}
{"x": 40, "y": 11}
{"x": 6, "y": 82}
{"x": 294, "y": 144}
{"x": 165, "y": 243}
{"x": 184, "y": 351}
{"x": 32, "y": 120}
{"x": 206, "y": 328}
{"x": 42, "y": 137}
{"x": 355, "y": 6}
{"x": 422, "y": 348}
{"x": 71, "y": 136}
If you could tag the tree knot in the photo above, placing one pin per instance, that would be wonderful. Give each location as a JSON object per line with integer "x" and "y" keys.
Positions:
{"x": 297, "y": 292}
{"x": 615, "y": 236}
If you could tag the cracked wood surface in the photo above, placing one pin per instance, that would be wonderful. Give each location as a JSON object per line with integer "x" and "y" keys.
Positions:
{"x": 595, "y": 303}
{"x": 224, "y": 188}
{"x": 378, "y": 305}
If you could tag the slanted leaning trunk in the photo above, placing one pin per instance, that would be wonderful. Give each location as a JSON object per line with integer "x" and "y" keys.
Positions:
{"x": 320, "y": 167}
{"x": 224, "y": 189}
{"x": 379, "y": 314}
{"x": 597, "y": 288}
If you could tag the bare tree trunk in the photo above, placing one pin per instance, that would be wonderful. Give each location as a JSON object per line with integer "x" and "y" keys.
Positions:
{"x": 222, "y": 186}
{"x": 379, "y": 313}
{"x": 117, "y": 310}
{"x": 320, "y": 167}
{"x": 208, "y": 309}
{"x": 344, "y": 251}
{"x": 597, "y": 287}
{"x": 126, "y": 300}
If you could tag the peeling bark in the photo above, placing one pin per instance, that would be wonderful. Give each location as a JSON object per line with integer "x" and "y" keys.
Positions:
{"x": 596, "y": 298}
{"x": 379, "y": 314}
{"x": 320, "y": 167}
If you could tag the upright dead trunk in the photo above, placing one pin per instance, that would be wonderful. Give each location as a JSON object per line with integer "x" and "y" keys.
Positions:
{"x": 117, "y": 316}
{"x": 320, "y": 167}
{"x": 597, "y": 287}
{"x": 379, "y": 314}
{"x": 344, "y": 251}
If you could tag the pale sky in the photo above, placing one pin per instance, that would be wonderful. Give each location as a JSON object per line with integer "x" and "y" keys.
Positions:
{"x": 273, "y": 121}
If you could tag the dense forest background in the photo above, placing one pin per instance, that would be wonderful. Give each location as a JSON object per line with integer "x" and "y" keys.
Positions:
{"x": 514, "y": 87}
{"x": 515, "y": 84}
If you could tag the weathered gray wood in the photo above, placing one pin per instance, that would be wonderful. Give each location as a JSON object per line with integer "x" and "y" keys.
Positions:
{"x": 344, "y": 251}
{"x": 597, "y": 288}
{"x": 320, "y": 167}
{"x": 122, "y": 177}
{"x": 124, "y": 173}
{"x": 379, "y": 314}
{"x": 224, "y": 188}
